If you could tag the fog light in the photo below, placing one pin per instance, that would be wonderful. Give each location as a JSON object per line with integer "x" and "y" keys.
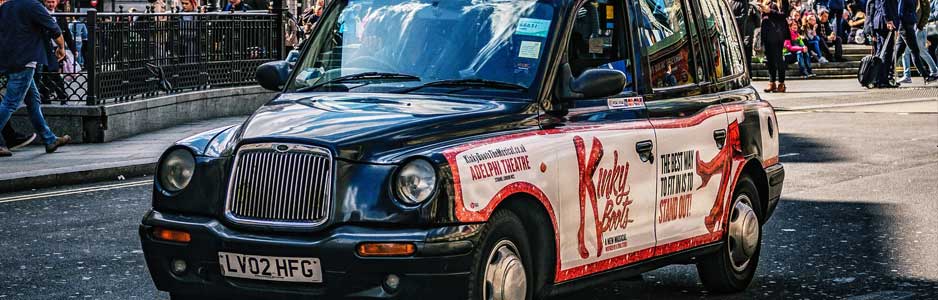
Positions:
{"x": 386, "y": 249}
{"x": 179, "y": 266}
{"x": 391, "y": 283}
{"x": 171, "y": 235}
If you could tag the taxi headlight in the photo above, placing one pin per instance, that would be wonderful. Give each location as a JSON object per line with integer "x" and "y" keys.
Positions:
{"x": 416, "y": 181}
{"x": 176, "y": 170}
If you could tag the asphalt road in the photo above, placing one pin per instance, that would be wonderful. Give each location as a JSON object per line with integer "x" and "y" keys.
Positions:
{"x": 856, "y": 220}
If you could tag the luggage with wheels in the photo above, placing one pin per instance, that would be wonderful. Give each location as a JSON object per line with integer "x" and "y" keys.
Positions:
{"x": 871, "y": 65}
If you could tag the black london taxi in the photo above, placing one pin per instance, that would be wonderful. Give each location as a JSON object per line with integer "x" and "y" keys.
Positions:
{"x": 478, "y": 149}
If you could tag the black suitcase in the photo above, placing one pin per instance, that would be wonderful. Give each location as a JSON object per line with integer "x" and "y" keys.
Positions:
{"x": 871, "y": 65}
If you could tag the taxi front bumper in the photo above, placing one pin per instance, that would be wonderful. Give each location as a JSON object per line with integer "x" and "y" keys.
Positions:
{"x": 440, "y": 267}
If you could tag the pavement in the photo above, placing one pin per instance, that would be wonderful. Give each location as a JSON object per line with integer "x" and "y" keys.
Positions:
{"x": 814, "y": 94}
{"x": 856, "y": 221}
{"x": 31, "y": 167}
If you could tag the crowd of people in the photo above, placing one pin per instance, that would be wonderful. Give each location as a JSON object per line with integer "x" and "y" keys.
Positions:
{"x": 804, "y": 32}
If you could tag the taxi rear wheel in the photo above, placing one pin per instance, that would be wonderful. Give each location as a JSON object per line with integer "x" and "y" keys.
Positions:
{"x": 732, "y": 268}
{"x": 503, "y": 262}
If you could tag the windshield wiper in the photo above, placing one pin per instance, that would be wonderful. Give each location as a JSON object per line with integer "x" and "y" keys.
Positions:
{"x": 483, "y": 83}
{"x": 362, "y": 76}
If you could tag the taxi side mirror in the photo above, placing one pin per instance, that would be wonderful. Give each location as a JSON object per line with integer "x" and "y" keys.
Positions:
{"x": 592, "y": 84}
{"x": 598, "y": 83}
{"x": 273, "y": 75}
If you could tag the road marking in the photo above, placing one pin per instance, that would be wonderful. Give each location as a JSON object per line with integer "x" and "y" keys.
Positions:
{"x": 77, "y": 191}
{"x": 815, "y": 107}
{"x": 789, "y": 154}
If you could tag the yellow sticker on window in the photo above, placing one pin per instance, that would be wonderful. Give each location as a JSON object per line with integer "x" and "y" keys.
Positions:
{"x": 610, "y": 12}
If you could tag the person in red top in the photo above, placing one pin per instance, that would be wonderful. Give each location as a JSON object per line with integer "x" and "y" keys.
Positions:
{"x": 797, "y": 51}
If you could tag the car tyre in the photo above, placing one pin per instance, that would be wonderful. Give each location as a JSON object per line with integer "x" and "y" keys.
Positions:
{"x": 503, "y": 263}
{"x": 733, "y": 267}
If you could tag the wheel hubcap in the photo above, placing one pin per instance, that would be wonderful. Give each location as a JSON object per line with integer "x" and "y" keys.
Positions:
{"x": 505, "y": 278}
{"x": 744, "y": 233}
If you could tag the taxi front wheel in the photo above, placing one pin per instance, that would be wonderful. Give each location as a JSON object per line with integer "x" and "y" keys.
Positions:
{"x": 503, "y": 262}
{"x": 732, "y": 268}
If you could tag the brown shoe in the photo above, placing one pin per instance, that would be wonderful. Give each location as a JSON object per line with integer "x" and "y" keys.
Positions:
{"x": 780, "y": 88}
{"x": 59, "y": 142}
{"x": 4, "y": 152}
{"x": 771, "y": 88}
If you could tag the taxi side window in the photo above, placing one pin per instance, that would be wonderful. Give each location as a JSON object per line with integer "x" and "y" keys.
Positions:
{"x": 663, "y": 33}
{"x": 597, "y": 39}
{"x": 720, "y": 32}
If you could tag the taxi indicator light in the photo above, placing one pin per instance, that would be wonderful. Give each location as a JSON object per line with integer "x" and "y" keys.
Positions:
{"x": 386, "y": 249}
{"x": 171, "y": 235}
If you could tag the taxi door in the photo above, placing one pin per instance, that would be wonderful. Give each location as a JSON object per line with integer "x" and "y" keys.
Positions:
{"x": 691, "y": 128}
{"x": 605, "y": 154}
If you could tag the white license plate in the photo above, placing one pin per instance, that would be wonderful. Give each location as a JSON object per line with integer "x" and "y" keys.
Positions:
{"x": 292, "y": 269}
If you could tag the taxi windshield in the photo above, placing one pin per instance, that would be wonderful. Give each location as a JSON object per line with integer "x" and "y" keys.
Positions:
{"x": 451, "y": 46}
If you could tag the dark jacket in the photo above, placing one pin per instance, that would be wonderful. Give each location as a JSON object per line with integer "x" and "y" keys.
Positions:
{"x": 870, "y": 12}
{"x": 933, "y": 15}
{"x": 836, "y": 5}
{"x": 242, "y": 6}
{"x": 885, "y": 11}
{"x": 25, "y": 30}
{"x": 924, "y": 10}
{"x": 907, "y": 12}
{"x": 775, "y": 22}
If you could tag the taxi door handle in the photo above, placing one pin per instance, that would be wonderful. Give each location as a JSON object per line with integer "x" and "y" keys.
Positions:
{"x": 644, "y": 149}
{"x": 719, "y": 136}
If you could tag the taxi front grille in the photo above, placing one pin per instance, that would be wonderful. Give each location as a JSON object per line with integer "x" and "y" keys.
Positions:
{"x": 278, "y": 184}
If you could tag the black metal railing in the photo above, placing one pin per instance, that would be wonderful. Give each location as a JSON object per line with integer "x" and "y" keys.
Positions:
{"x": 127, "y": 57}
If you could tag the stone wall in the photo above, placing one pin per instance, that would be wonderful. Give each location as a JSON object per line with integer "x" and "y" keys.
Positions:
{"x": 105, "y": 123}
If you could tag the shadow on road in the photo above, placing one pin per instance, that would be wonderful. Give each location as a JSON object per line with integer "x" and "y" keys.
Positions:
{"x": 812, "y": 250}
{"x": 808, "y": 149}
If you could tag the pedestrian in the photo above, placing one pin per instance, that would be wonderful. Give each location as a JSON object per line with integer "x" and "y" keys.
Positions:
{"x": 910, "y": 16}
{"x": 856, "y": 23}
{"x": 811, "y": 38}
{"x": 50, "y": 81}
{"x": 885, "y": 20}
{"x": 830, "y": 37}
{"x": 931, "y": 31}
{"x": 774, "y": 34}
{"x": 836, "y": 8}
{"x": 15, "y": 140}
{"x": 237, "y": 5}
{"x": 25, "y": 30}
{"x": 747, "y": 19}
{"x": 79, "y": 32}
{"x": 189, "y": 32}
{"x": 796, "y": 51}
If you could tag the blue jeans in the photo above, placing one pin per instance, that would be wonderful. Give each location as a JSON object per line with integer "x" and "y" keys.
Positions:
{"x": 814, "y": 45}
{"x": 920, "y": 36}
{"x": 20, "y": 87}
{"x": 803, "y": 59}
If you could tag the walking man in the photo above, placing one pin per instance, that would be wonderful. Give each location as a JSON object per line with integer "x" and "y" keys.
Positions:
{"x": 911, "y": 23}
{"x": 25, "y": 30}
{"x": 885, "y": 23}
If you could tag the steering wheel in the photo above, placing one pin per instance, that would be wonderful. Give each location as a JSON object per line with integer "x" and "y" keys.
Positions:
{"x": 370, "y": 62}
